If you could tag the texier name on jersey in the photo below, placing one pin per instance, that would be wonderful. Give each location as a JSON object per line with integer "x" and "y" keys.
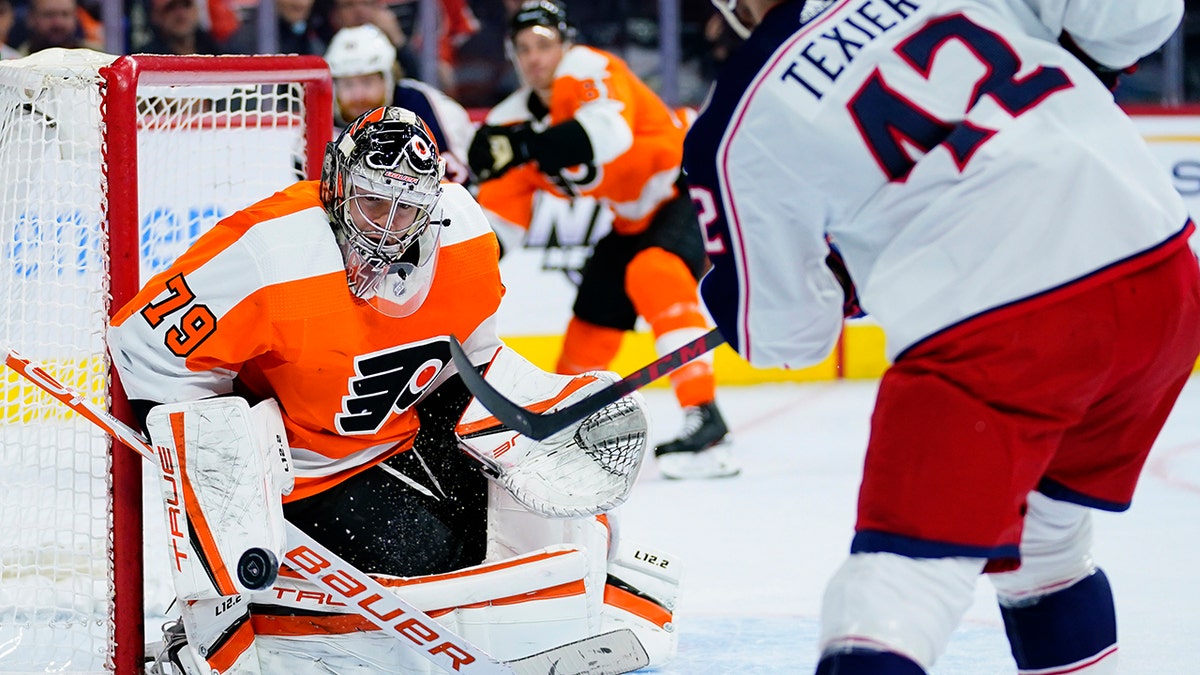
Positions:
{"x": 828, "y": 51}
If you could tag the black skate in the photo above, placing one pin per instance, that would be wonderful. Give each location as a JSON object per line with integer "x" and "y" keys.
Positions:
{"x": 702, "y": 449}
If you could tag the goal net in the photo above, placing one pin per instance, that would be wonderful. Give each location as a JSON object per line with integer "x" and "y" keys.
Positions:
{"x": 110, "y": 167}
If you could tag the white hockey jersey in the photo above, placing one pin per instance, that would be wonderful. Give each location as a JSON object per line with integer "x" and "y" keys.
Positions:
{"x": 959, "y": 158}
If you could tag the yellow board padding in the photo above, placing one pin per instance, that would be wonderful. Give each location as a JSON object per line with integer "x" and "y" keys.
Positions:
{"x": 859, "y": 356}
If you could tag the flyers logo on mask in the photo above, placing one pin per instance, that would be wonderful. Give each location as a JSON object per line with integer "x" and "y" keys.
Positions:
{"x": 421, "y": 155}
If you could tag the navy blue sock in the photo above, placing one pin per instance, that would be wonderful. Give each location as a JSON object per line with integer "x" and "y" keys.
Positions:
{"x": 865, "y": 662}
{"x": 1063, "y": 627}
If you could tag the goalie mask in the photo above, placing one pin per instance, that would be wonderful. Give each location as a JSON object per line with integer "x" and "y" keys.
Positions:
{"x": 380, "y": 185}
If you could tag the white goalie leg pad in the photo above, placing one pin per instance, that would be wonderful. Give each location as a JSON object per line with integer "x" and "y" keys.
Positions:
{"x": 223, "y": 467}
{"x": 509, "y": 608}
{"x": 585, "y": 469}
{"x": 519, "y": 606}
{"x": 1056, "y": 551}
{"x": 543, "y": 585}
{"x": 513, "y": 531}
{"x": 888, "y": 602}
{"x": 641, "y": 585}
{"x": 641, "y": 593}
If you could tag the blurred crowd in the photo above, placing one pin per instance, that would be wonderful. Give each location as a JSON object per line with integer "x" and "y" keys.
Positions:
{"x": 472, "y": 65}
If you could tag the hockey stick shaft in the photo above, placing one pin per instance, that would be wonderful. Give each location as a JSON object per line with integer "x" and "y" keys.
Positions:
{"x": 540, "y": 426}
{"x": 92, "y": 412}
{"x": 361, "y": 593}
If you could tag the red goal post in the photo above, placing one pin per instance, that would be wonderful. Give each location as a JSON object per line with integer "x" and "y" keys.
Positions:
{"x": 110, "y": 167}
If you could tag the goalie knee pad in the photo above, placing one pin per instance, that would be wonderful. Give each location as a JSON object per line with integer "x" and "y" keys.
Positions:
{"x": 891, "y": 603}
{"x": 223, "y": 467}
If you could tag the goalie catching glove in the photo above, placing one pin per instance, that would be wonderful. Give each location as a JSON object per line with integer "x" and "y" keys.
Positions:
{"x": 585, "y": 469}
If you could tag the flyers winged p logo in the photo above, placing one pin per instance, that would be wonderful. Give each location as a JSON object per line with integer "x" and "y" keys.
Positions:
{"x": 389, "y": 381}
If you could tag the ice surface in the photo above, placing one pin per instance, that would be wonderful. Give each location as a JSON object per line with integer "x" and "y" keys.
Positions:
{"x": 758, "y": 549}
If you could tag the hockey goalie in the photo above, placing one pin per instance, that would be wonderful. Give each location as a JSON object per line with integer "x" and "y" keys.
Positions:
{"x": 293, "y": 365}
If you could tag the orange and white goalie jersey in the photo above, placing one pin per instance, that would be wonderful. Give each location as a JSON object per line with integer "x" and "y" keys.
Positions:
{"x": 637, "y": 143}
{"x": 260, "y": 307}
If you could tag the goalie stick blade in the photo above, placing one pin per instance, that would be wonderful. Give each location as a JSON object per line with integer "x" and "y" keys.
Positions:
{"x": 540, "y": 426}
{"x": 610, "y": 653}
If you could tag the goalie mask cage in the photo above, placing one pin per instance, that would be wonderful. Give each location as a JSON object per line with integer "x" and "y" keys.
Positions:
{"x": 110, "y": 167}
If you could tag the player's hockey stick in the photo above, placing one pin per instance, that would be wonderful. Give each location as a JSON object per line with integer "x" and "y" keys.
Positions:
{"x": 540, "y": 426}
{"x": 610, "y": 653}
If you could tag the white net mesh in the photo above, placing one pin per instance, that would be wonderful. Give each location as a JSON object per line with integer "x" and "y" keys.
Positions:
{"x": 203, "y": 151}
{"x": 55, "y": 611}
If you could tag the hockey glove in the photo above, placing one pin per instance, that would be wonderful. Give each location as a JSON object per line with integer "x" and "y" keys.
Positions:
{"x": 585, "y": 469}
{"x": 850, "y": 307}
{"x": 1109, "y": 77}
{"x": 496, "y": 149}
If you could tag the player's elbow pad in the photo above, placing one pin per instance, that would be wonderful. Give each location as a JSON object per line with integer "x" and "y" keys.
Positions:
{"x": 607, "y": 130}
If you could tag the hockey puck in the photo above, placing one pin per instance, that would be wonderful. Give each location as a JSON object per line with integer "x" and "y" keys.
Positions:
{"x": 257, "y": 568}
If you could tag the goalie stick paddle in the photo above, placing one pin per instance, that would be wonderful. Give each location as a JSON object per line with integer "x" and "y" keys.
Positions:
{"x": 610, "y": 653}
{"x": 540, "y": 426}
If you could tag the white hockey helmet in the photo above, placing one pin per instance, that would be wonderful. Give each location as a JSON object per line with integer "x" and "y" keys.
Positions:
{"x": 383, "y": 168}
{"x": 362, "y": 50}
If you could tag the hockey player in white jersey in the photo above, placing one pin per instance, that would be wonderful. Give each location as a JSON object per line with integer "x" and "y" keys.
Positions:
{"x": 366, "y": 75}
{"x": 1003, "y": 221}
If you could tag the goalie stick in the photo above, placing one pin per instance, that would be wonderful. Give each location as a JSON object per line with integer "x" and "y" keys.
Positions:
{"x": 611, "y": 653}
{"x": 540, "y": 426}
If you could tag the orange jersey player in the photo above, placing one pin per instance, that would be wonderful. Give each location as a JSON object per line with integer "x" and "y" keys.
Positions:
{"x": 584, "y": 125}
{"x": 328, "y": 307}
{"x": 294, "y": 333}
